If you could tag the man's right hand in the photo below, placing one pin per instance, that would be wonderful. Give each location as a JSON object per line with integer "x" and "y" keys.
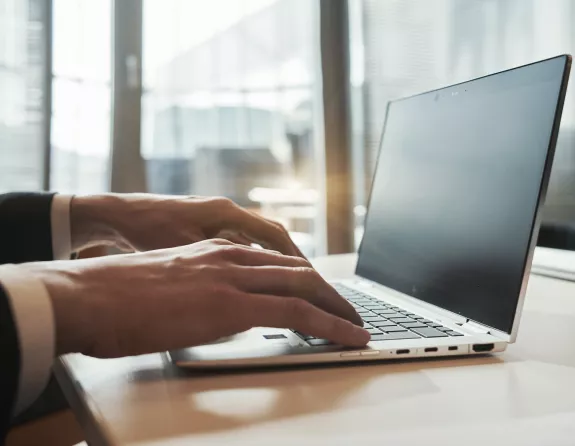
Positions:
{"x": 191, "y": 295}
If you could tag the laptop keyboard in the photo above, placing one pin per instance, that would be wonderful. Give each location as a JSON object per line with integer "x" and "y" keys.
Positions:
{"x": 386, "y": 322}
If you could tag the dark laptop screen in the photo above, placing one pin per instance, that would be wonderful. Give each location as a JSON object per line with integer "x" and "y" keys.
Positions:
{"x": 456, "y": 190}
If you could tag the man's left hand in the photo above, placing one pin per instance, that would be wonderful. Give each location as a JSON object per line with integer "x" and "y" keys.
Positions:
{"x": 143, "y": 222}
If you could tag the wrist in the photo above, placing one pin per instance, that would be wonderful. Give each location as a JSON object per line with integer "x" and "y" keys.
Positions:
{"x": 68, "y": 297}
{"x": 92, "y": 221}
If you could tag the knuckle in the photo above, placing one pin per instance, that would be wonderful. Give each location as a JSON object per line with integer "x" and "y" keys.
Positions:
{"x": 176, "y": 263}
{"x": 209, "y": 270}
{"x": 223, "y": 202}
{"x": 221, "y": 242}
{"x": 232, "y": 251}
{"x": 303, "y": 263}
{"x": 282, "y": 228}
{"x": 276, "y": 225}
{"x": 309, "y": 273}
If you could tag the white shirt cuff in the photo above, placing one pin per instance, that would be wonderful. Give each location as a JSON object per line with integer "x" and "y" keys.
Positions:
{"x": 60, "y": 219}
{"x": 34, "y": 320}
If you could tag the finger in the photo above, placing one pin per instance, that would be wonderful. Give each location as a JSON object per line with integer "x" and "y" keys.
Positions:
{"x": 303, "y": 282}
{"x": 282, "y": 229}
{"x": 234, "y": 237}
{"x": 295, "y": 313}
{"x": 242, "y": 239}
{"x": 238, "y": 240}
{"x": 260, "y": 230}
{"x": 248, "y": 256}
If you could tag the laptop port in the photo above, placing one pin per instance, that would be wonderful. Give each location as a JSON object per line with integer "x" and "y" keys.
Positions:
{"x": 431, "y": 349}
{"x": 480, "y": 348}
{"x": 402, "y": 351}
{"x": 453, "y": 348}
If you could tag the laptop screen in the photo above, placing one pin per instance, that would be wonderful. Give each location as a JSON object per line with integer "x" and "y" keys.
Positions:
{"x": 456, "y": 191}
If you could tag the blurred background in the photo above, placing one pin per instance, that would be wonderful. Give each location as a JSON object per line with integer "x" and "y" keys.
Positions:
{"x": 276, "y": 104}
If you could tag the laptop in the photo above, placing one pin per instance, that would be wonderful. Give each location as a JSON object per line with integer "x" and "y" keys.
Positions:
{"x": 450, "y": 231}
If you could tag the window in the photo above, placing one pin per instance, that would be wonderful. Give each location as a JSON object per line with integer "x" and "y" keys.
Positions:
{"x": 231, "y": 102}
{"x": 229, "y": 105}
{"x": 81, "y": 95}
{"x": 401, "y": 48}
{"x": 22, "y": 93}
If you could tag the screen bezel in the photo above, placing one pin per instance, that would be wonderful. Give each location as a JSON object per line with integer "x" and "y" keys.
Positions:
{"x": 543, "y": 184}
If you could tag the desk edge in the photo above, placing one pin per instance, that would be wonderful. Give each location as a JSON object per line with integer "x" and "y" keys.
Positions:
{"x": 93, "y": 429}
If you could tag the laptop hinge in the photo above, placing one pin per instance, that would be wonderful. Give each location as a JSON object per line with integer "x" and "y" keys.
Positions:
{"x": 475, "y": 327}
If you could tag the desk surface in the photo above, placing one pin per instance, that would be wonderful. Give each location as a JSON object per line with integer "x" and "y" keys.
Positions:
{"x": 525, "y": 396}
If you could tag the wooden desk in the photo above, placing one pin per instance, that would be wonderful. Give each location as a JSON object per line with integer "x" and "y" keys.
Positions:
{"x": 525, "y": 396}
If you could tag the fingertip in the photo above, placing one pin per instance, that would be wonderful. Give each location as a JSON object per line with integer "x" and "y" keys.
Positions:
{"x": 353, "y": 336}
{"x": 361, "y": 336}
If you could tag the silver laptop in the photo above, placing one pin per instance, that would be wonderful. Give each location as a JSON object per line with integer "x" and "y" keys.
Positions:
{"x": 452, "y": 224}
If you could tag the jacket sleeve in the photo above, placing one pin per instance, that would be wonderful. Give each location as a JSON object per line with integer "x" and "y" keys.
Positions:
{"x": 10, "y": 364}
{"x": 25, "y": 227}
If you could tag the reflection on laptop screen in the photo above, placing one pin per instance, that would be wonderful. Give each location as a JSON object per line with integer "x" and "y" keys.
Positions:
{"x": 457, "y": 188}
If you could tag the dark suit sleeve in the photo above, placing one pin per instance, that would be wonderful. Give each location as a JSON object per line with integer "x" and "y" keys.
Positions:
{"x": 558, "y": 236}
{"x": 25, "y": 236}
{"x": 9, "y": 364}
{"x": 25, "y": 227}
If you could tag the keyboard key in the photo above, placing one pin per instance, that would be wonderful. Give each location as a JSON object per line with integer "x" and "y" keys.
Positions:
{"x": 387, "y": 313}
{"x": 435, "y": 325}
{"x": 365, "y": 296}
{"x": 453, "y": 333}
{"x": 373, "y": 330}
{"x": 394, "y": 336}
{"x": 360, "y": 301}
{"x": 318, "y": 342}
{"x": 365, "y": 312}
{"x": 443, "y": 328}
{"x": 410, "y": 315}
{"x": 383, "y": 324}
{"x": 415, "y": 324}
{"x": 400, "y": 320}
{"x": 429, "y": 332}
{"x": 303, "y": 336}
{"x": 393, "y": 329}
{"x": 374, "y": 307}
{"x": 373, "y": 319}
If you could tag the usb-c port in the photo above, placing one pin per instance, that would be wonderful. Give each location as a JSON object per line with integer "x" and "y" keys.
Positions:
{"x": 431, "y": 349}
{"x": 452, "y": 348}
{"x": 403, "y": 351}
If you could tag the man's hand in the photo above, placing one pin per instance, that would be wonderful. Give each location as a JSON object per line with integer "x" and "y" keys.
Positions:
{"x": 173, "y": 298}
{"x": 144, "y": 222}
